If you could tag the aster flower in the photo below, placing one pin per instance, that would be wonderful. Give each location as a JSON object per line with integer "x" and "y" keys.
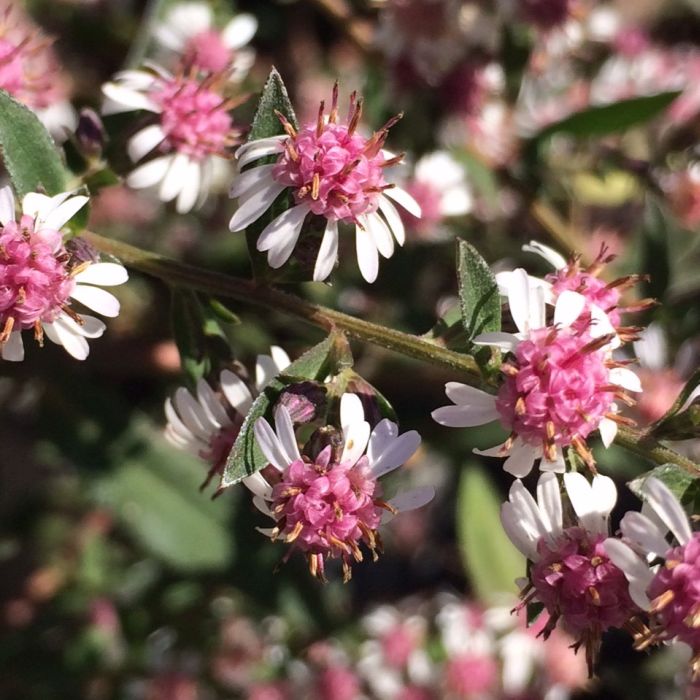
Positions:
{"x": 560, "y": 383}
{"x": 571, "y": 573}
{"x": 440, "y": 187}
{"x": 189, "y": 30}
{"x": 190, "y": 131}
{"x": 41, "y": 276}
{"x": 327, "y": 506}
{"x": 664, "y": 578}
{"x": 333, "y": 172}
{"x": 207, "y": 423}
{"x": 29, "y": 70}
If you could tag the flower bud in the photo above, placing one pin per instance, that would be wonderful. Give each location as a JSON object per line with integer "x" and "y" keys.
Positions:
{"x": 90, "y": 134}
{"x": 304, "y": 401}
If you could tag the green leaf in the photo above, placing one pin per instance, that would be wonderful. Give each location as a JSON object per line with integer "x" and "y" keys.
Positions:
{"x": 223, "y": 313}
{"x": 328, "y": 357}
{"x": 478, "y": 292}
{"x": 684, "y": 486}
{"x": 29, "y": 153}
{"x": 489, "y": 557}
{"x": 685, "y": 425}
{"x": 611, "y": 118}
{"x": 155, "y": 495}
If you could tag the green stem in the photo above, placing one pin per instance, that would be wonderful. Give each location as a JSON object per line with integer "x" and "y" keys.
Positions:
{"x": 272, "y": 299}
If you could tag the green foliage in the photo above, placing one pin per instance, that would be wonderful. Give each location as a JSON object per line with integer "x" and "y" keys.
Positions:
{"x": 29, "y": 153}
{"x": 328, "y": 357}
{"x": 491, "y": 560}
{"x": 154, "y": 493}
{"x": 682, "y": 484}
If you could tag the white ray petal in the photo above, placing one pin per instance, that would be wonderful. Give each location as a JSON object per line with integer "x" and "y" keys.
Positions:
{"x": 39, "y": 205}
{"x": 400, "y": 196}
{"x": 396, "y": 453}
{"x": 270, "y": 444}
{"x": 549, "y": 502}
{"x": 413, "y": 499}
{"x": 625, "y": 378}
{"x": 258, "y": 485}
{"x": 583, "y": 502}
{"x": 381, "y": 234}
{"x": 190, "y": 190}
{"x": 90, "y": 327}
{"x": 174, "y": 179}
{"x": 519, "y": 299}
{"x": 522, "y": 458}
{"x": 668, "y": 509}
{"x": 265, "y": 371}
{"x": 465, "y": 416}
{"x": 13, "y": 348}
{"x": 367, "y": 254}
{"x": 527, "y": 510}
{"x": 568, "y": 308}
{"x": 504, "y": 341}
{"x": 235, "y": 391}
{"x": 557, "y": 465}
{"x": 260, "y": 148}
{"x": 604, "y": 495}
{"x": 7, "y": 205}
{"x": 327, "y": 253}
{"x": 356, "y": 436}
{"x": 283, "y": 231}
{"x": 75, "y": 345}
{"x": 393, "y": 219}
{"x": 144, "y": 141}
{"x": 556, "y": 260}
{"x": 125, "y": 99}
{"x": 57, "y": 218}
{"x": 211, "y": 405}
{"x": 192, "y": 415}
{"x": 250, "y": 179}
{"x": 351, "y": 410}
{"x": 521, "y": 537}
{"x": 642, "y": 531}
{"x": 96, "y": 299}
{"x": 262, "y": 506}
{"x": 150, "y": 173}
{"x": 174, "y": 420}
{"x": 255, "y": 205}
{"x": 104, "y": 274}
{"x": 608, "y": 431}
{"x": 495, "y": 451}
{"x": 464, "y": 394}
{"x": 285, "y": 432}
{"x": 636, "y": 571}
{"x": 383, "y": 434}
{"x": 239, "y": 31}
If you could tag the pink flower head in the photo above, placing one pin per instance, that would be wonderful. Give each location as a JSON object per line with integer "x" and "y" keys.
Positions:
{"x": 332, "y": 171}
{"x": 327, "y": 506}
{"x": 207, "y": 423}
{"x": 191, "y": 129}
{"x": 470, "y": 674}
{"x": 572, "y": 574}
{"x": 337, "y": 682}
{"x": 559, "y": 382}
{"x": 39, "y": 277}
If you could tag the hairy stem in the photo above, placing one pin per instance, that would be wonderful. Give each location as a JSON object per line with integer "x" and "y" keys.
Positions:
{"x": 272, "y": 299}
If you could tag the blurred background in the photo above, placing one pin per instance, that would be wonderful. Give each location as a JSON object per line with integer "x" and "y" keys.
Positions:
{"x": 121, "y": 579}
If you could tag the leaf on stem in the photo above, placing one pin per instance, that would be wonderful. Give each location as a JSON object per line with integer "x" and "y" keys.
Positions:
{"x": 683, "y": 485}
{"x": 328, "y": 357}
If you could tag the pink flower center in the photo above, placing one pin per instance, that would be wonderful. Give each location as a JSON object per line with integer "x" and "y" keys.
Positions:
{"x": 326, "y": 509}
{"x": 397, "y": 645}
{"x": 11, "y": 67}
{"x": 575, "y": 580}
{"x": 208, "y": 52}
{"x": 556, "y": 390}
{"x": 675, "y": 594}
{"x": 469, "y": 674}
{"x": 595, "y": 291}
{"x": 34, "y": 280}
{"x": 27, "y": 72}
{"x": 337, "y": 683}
{"x": 332, "y": 168}
{"x": 194, "y": 117}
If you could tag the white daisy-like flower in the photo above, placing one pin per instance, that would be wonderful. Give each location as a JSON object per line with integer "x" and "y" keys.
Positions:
{"x": 41, "y": 276}
{"x": 327, "y": 506}
{"x": 207, "y": 424}
{"x": 333, "y": 172}
{"x": 190, "y": 131}
{"x": 189, "y": 30}
{"x": 570, "y": 574}
{"x": 559, "y": 385}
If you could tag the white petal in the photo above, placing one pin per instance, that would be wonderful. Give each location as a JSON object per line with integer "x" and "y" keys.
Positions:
{"x": 191, "y": 185}
{"x": 604, "y": 494}
{"x": 192, "y": 415}
{"x": 668, "y": 509}
{"x": 625, "y": 378}
{"x": 522, "y": 538}
{"x": 13, "y": 349}
{"x": 255, "y": 205}
{"x": 393, "y": 219}
{"x": 356, "y": 436}
{"x": 381, "y": 234}
{"x": 583, "y": 502}
{"x": 608, "y": 431}
{"x": 74, "y": 344}
{"x": 280, "y": 358}
{"x": 90, "y": 327}
{"x": 7, "y": 205}
{"x": 270, "y": 445}
{"x": 176, "y": 423}
{"x": 384, "y": 433}
{"x": 636, "y": 571}
{"x": 504, "y": 341}
{"x": 144, "y": 141}
{"x": 211, "y": 405}
{"x": 519, "y": 299}
{"x": 104, "y": 274}
{"x": 643, "y": 532}
{"x": 262, "y": 506}
{"x": 465, "y": 416}
{"x": 466, "y": 395}
{"x": 174, "y": 179}
{"x": 265, "y": 371}
{"x": 400, "y": 196}
{"x": 150, "y": 173}
{"x": 527, "y": 511}
{"x": 495, "y": 451}
{"x": 556, "y": 260}
{"x": 456, "y": 201}
{"x": 367, "y": 254}
{"x": 39, "y": 205}
{"x": 126, "y": 99}
{"x": 522, "y": 458}
{"x": 250, "y": 179}
{"x": 549, "y": 502}
{"x": 285, "y": 432}
{"x": 415, "y": 498}
{"x": 239, "y": 31}
{"x": 351, "y": 410}
{"x": 396, "y": 454}
{"x": 96, "y": 299}
{"x": 258, "y": 485}
{"x": 64, "y": 212}
{"x": 568, "y": 308}
{"x": 189, "y": 18}
{"x": 235, "y": 391}
{"x": 557, "y": 465}
{"x": 281, "y": 234}
{"x": 327, "y": 253}
{"x": 260, "y": 148}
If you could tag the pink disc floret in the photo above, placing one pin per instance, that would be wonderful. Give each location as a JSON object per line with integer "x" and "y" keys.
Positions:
{"x": 675, "y": 594}
{"x": 207, "y": 51}
{"x": 194, "y": 117}
{"x": 556, "y": 389}
{"x": 335, "y": 170}
{"x": 595, "y": 291}
{"x": 327, "y": 508}
{"x": 35, "y": 283}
